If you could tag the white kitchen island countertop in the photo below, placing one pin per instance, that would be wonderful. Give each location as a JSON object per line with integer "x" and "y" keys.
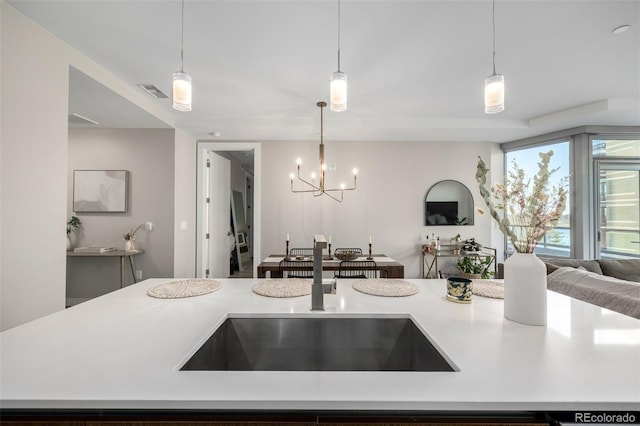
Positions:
{"x": 124, "y": 350}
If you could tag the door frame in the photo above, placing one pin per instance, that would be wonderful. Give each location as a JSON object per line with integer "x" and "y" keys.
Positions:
{"x": 202, "y": 148}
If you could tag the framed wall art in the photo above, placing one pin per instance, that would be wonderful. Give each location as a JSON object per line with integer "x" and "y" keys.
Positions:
{"x": 100, "y": 191}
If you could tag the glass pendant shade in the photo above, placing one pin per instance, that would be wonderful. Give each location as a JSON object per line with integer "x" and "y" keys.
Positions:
{"x": 494, "y": 94}
{"x": 181, "y": 91}
{"x": 338, "y": 92}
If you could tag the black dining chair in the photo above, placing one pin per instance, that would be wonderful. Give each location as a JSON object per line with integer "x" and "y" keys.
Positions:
{"x": 357, "y": 269}
{"x": 306, "y": 252}
{"x": 296, "y": 268}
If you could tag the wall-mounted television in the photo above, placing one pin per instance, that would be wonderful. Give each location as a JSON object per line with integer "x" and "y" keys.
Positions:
{"x": 441, "y": 212}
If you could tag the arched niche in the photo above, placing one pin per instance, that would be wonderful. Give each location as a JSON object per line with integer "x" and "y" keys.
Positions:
{"x": 447, "y": 203}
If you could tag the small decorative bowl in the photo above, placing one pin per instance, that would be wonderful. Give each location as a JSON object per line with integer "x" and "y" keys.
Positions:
{"x": 347, "y": 255}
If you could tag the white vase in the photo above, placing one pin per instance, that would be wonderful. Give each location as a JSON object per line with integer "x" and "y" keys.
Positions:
{"x": 525, "y": 289}
{"x": 68, "y": 243}
{"x": 129, "y": 246}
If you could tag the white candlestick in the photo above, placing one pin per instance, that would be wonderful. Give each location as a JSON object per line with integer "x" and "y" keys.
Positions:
{"x": 287, "y": 236}
{"x": 369, "y": 239}
{"x": 329, "y": 239}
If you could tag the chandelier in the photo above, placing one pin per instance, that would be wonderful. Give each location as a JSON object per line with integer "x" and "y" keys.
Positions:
{"x": 320, "y": 188}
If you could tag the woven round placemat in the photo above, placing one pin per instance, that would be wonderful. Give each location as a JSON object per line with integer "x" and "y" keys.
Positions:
{"x": 286, "y": 287}
{"x": 488, "y": 288}
{"x": 184, "y": 288}
{"x": 385, "y": 287}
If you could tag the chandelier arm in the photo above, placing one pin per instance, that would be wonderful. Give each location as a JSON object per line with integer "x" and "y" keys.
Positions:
{"x": 339, "y": 189}
{"x": 343, "y": 189}
{"x": 308, "y": 183}
{"x": 335, "y": 198}
{"x": 303, "y": 190}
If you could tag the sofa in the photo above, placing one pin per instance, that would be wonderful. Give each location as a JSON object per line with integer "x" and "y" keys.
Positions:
{"x": 610, "y": 283}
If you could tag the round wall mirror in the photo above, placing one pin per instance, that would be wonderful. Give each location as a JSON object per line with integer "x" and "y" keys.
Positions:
{"x": 448, "y": 202}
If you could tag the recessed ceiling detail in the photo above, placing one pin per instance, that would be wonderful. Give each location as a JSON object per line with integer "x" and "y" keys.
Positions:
{"x": 620, "y": 29}
{"x": 153, "y": 90}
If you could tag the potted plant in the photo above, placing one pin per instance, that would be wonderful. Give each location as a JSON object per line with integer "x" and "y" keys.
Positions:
{"x": 475, "y": 267}
{"x": 459, "y": 221}
{"x": 471, "y": 245}
{"x": 73, "y": 224}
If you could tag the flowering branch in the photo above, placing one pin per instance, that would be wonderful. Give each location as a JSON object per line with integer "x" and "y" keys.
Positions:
{"x": 528, "y": 211}
{"x": 73, "y": 224}
{"x": 131, "y": 235}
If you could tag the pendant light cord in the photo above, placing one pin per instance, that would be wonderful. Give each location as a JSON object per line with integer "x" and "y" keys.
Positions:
{"x": 182, "y": 40}
{"x": 493, "y": 22}
{"x": 339, "y": 35}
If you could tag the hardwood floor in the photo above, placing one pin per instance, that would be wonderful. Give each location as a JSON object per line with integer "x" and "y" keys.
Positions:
{"x": 247, "y": 271}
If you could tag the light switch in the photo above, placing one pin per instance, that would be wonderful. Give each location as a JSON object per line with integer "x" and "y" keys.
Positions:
{"x": 183, "y": 225}
{"x": 148, "y": 226}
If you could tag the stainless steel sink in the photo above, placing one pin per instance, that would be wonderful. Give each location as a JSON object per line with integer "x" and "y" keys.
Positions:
{"x": 318, "y": 344}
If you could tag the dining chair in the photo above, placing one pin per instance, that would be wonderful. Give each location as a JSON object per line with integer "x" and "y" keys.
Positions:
{"x": 296, "y": 268}
{"x": 357, "y": 269}
{"x": 301, "y": 252}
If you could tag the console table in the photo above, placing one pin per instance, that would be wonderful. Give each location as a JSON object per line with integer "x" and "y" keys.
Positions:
{"x": 115, "y": 253}
{"x": 430, "y": 257}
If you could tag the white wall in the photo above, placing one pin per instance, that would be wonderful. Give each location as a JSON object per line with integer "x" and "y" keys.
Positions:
{"x": 33, "y": 169}
{"x": 393, "y": 181}
{"x": 184, "y": 259}
{"x": 148, "y": 156}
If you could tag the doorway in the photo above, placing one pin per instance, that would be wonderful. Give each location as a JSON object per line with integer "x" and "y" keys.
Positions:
{"x": 221, "y": 224}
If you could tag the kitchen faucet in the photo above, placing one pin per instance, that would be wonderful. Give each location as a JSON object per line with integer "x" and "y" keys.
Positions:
{"x": 318, "y": 289}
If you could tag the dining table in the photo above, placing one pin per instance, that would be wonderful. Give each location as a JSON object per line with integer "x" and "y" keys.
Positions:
{"x": 388, "y": 267}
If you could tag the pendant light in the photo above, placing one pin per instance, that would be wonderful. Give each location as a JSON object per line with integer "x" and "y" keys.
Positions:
{"x": 338, "y": 87}
{"x": 494, "y": 84}
{"x": 182, "y": 80}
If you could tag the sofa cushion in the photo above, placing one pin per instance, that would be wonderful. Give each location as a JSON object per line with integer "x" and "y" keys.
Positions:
{"x": 601, "y": 290}
{"x": 624, "y": 269}
{"x": 589, "y": 265}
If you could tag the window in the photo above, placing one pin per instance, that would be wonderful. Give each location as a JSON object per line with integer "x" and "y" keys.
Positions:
{"x": 602, "y": 218}
{"x": 556, "y": 242}
{"x": 604, "y": 147}
{"x": 617, "y": 167}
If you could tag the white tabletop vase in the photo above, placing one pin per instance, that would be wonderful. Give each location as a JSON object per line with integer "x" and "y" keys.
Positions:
{"x": 525, "y": 289}
{"x": 129, "y": 245}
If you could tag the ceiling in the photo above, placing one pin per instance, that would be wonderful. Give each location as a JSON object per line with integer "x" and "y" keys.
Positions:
{"x": 416, "y": 69}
